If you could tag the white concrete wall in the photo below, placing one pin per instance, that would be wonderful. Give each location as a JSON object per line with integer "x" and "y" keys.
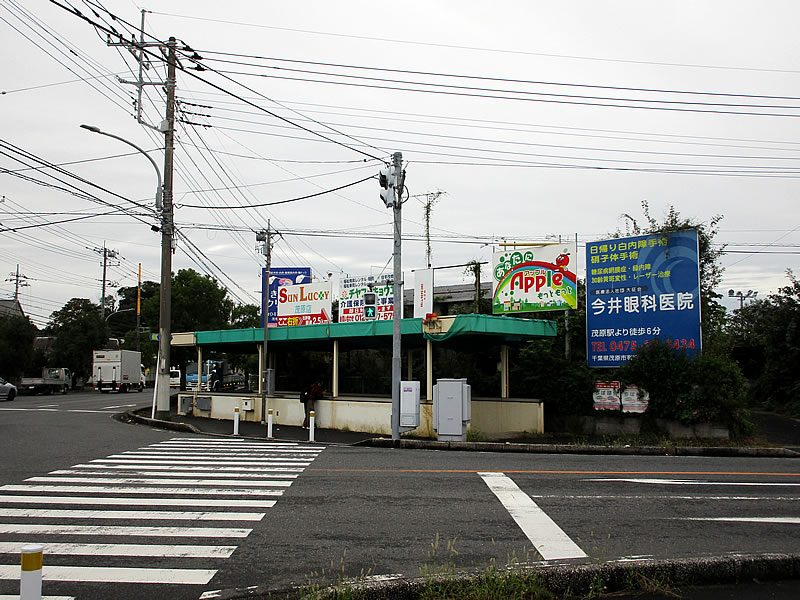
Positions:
{"x": 491, "y": 419}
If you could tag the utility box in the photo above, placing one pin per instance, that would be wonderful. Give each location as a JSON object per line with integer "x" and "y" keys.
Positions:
{"x": 247, "y": 404}
{"x": 409, "y": 405}
{"x": 452, "y": 409}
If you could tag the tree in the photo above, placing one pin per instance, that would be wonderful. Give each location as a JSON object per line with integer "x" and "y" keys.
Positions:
{"x": 767, "y": 336}
{"x": 712, "y": 312}
{"x": 78, "y": 329}
{"x": 16, "y": 345}
{"x": 244, "y": 316}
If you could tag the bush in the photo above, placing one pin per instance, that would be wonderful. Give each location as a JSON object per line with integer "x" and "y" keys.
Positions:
{"x": 689, "y": 390}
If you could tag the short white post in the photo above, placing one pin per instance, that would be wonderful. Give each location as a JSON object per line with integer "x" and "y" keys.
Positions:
{"x": 311, "y": 426}
{"x": 236, "y": 421}
{"x": 269, "y": 423}
{"x": 30, "y": 581}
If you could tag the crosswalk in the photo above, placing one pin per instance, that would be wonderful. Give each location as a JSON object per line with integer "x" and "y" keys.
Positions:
{"x": 185, "y": 502}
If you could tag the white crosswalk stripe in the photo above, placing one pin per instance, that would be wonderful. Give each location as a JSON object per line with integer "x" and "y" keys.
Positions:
{"x": 168, "y": 483}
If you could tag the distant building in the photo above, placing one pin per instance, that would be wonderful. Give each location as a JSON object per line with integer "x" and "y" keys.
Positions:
{"x": 10, "y": 308}
{"x": 446, "y": 297}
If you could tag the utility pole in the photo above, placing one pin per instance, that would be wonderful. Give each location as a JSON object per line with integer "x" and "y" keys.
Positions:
{"x": 139, "y": 311}
{"x": 397, "y": 309}
{"x": 19, "y": 281}
{"x": 106, "y": 253}
{"x": 165, "y": 300}
{"x": 265, "y": 237}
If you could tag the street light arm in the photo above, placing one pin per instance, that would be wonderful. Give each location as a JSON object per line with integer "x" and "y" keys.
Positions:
{"x": 94, "y": 129}
{"x": 116, "y": 312}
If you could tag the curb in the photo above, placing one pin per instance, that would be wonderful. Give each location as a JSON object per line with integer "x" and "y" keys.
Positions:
{"x": 720, "y": 451}
{"x": 174, "y": 426}
{"x": 416, "y": 444}
{"x": 565, "y": 579}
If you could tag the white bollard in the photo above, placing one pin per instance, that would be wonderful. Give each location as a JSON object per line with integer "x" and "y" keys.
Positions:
{"x": 30, "y": 580}
{"x": 269, "y": 423}
{"x": 311, "y": 426}
{"x": 236, "y": 421}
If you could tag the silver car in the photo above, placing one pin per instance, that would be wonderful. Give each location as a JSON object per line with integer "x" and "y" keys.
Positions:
{"x": 8, "y": 391}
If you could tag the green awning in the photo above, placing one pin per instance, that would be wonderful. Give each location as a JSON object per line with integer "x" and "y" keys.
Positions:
{"x": 503, "y": 329}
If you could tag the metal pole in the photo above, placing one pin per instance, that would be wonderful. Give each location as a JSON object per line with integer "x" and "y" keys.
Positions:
{"x": 397, "y": 162}
{"x": 265, "y": 362}
{"x": 165, "y": 304}
{"x": 139, "y": 311}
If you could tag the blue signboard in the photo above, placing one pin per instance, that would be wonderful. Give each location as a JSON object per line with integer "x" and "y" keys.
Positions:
{"x": 641, "y": 288}
{"x": 279, "y": 276}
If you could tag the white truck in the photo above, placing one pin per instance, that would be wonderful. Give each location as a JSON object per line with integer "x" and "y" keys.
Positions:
{"x": 117, "y": 370}
{"x": 57, "y": 380}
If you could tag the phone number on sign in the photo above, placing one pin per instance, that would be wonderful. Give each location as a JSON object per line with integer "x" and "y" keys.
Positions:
{"x": 632, "y": 345}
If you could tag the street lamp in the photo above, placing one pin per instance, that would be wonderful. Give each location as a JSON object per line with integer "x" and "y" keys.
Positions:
{"x": 160, "y": 188}
{"x": 161, "y": 396}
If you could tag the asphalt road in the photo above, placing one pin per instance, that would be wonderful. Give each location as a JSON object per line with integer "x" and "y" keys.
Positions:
{"x": 244, "y": 513}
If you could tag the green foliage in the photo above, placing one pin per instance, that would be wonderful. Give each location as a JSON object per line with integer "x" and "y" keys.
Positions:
{"x": 707, "y": 388}
{"x": 78, "y": 329}
{"x": 770, "y": 331}
{"x": 16, "y": 345}
{"x": 713, "y": 313}
{"x": 541, "y": 371}
{"x": 244, "y": 316}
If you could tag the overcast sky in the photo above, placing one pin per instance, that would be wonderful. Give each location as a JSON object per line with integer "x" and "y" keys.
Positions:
{"x": 498, "y": 105}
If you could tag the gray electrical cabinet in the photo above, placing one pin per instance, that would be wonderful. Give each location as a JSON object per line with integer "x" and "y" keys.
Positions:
{"x": 409, "y": 405}
{"x": 452, "y": 409}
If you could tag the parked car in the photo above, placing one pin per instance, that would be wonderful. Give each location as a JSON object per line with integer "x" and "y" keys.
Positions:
{"x": 7, "y": 390}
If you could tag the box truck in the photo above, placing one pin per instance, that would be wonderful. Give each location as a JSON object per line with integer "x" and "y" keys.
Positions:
{"x": 117, "y": 370}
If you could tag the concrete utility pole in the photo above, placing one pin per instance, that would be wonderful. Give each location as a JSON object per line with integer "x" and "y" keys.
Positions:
{"x": 265, "y": 237}
{"x": 165, "y": 300}
{"x": 106, "y": 253}
{"x": 397, "y": 290}
{"x": 19, "y": 281}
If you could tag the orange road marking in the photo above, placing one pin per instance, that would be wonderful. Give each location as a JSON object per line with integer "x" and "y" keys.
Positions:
{"x": 557, "y": 472}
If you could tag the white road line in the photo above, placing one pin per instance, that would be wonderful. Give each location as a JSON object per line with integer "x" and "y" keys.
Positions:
{"x": 664, "y": 497}
{"x": 117, "y": 574}
{"x": 94, "y": 500}
{"x": 221, "y": 453}
{"x": 119, "y": 406}
{"x": 179, "y": 474}
{"x": 225, "y": 446}
{"x": 155, "y": 550}
{"x": 695, "y": 482}
{"x": 151, "y": 466}
{"x": 120, "y": 530}
{"x": 277, "y": 462}
{"x": 103, "y": 489}
{"x": 150, "y": 515}
{"x": 160, "y": 481}
{"x": 779, "y": 520}
{"x": 83, "y": 410}
{"x": 5, "y": 597}
{"x": 547, "y": 537}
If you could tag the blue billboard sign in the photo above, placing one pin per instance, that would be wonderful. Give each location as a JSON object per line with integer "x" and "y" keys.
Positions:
{"x": 641, "y": 288}
{"x": 279, "y": 276}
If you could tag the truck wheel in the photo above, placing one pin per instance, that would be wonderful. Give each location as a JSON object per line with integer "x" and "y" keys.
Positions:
{"x": 64, "y": 389}
{"x": 10, "y": 395}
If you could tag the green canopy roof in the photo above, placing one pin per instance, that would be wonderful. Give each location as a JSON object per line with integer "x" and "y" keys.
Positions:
{"x": 369, "y": 333}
